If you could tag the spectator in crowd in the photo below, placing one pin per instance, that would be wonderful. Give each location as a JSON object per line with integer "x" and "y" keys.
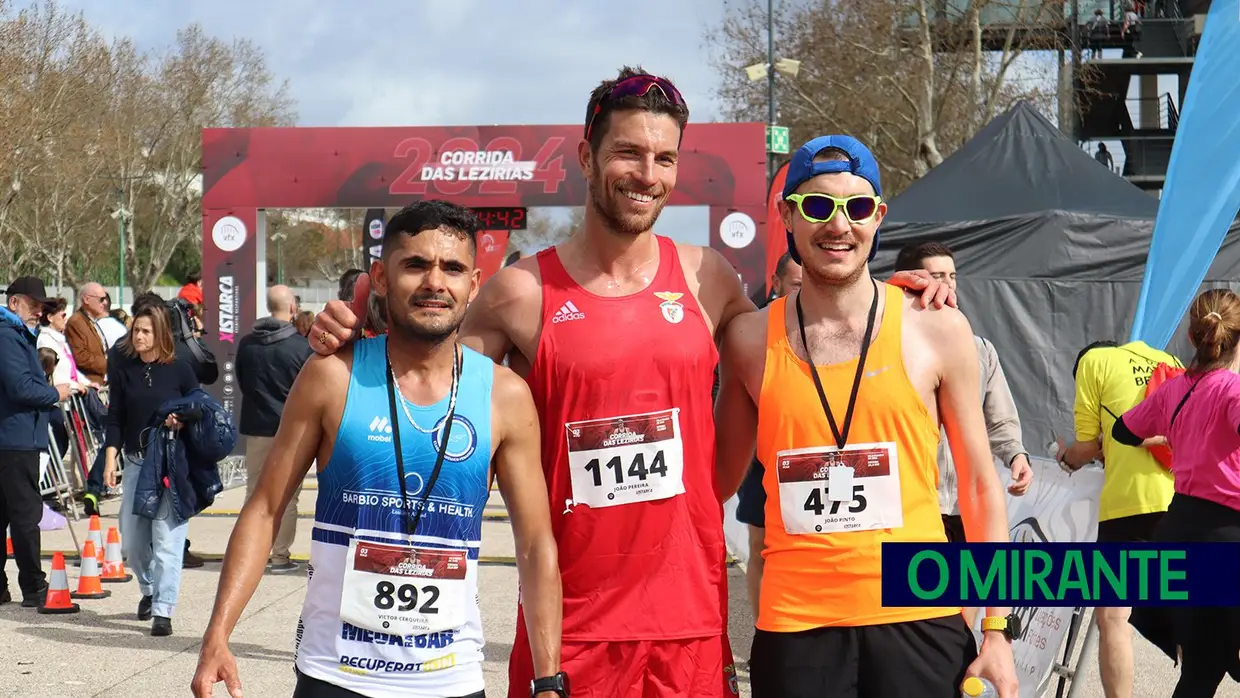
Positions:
{"x": 191, "y": 292}
{"x": 86, "y": 339}
{"x": 268, "y": 361}
{"x": 1136, "y": 489}
{"x": 1198, "y": 413}
{"x": 189, "y": 350}
{"x": 1104, "y": 158}
{"x": 52, "y": 337}
{"x": 146, "y": 374}
{"x": 119, "y": 315}
{"x": 347, "y": 280}
{"x": 999, "y": 409}
{"x": 114, "y": 325}
{"x": 304, "y": 321}
{"x": 26, "y": 402}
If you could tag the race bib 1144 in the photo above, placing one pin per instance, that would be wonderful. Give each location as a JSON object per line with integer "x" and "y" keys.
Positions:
{"x": 623, "y": 460}
{"x": 403, "y": 590}
{"x": 828, "y": 490}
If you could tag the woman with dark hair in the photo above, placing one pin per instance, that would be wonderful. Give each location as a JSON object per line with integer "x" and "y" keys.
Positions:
{"x": 142, "y": 376}
{"x": 52, "y": 336}
{"x": 1198, "y": 413}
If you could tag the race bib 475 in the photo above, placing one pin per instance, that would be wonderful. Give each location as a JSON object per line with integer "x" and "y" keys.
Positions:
{"x": 828, "y": 490}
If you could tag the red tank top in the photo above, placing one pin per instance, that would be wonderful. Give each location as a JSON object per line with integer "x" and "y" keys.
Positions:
{"x": 623, "y": 388}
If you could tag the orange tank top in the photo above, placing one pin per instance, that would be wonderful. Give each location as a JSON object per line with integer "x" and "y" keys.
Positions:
{"x": 823, "y": 556}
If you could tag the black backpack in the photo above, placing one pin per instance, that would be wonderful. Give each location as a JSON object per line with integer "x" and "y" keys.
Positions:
{"x": 183, "y": 333}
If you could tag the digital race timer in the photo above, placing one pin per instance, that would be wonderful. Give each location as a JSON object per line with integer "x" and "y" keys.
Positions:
{"x": 501, "y": 217}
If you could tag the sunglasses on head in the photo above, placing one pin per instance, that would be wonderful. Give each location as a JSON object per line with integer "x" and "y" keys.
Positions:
{"x": 636, "y": 86}
{"x": 820, "y": 208}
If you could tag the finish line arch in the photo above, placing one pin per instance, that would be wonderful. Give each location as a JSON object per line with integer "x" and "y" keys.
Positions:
{"x": 245, "y": 171}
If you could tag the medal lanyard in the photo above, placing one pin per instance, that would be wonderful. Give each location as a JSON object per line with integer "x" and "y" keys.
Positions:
{"x": 841, "y": 439}
{"x": 411, "y": 525}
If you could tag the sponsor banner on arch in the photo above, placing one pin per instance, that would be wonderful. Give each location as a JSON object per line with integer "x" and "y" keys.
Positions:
{"x": 229, "y": 285}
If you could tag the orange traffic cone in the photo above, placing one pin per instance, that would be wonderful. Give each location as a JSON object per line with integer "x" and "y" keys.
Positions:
{"x": 95, "y": 535}
{"x": 114, "y": 561}
{"x": 57, "y": 600}
{"x": 89, "y": 586}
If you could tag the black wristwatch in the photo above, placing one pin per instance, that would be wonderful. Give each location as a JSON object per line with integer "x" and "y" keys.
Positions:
{"x": 557, "y": 684}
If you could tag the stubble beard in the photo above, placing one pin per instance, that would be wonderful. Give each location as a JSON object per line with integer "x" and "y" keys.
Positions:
{"x": 608, "y": 210}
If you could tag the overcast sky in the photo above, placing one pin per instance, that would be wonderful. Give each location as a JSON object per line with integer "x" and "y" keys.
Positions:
{"x": 449, "y": 62}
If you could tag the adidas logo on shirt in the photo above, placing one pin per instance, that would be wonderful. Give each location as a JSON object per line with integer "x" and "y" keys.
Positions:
{"x": 567, "y": 312}
{"x": 380, "y": 430}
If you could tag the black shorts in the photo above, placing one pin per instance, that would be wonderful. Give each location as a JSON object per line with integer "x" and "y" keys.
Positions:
{"x": 953, "y": 526}
{"x": 1129, "y": 529}
{"x": 309, "y": 687}
{"x": 925, "y": 658}
{"x": 751, "y": 497}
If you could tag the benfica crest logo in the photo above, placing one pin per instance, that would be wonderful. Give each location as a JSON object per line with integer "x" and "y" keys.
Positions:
{"x": 673, "y": 311}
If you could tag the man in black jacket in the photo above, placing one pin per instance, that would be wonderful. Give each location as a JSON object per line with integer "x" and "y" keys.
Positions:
{"x": 26, "y": 404}
{"x": 268, "y": 361}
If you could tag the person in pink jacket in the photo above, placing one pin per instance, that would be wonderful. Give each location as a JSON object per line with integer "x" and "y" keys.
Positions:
{"x": 1198, "y": 413}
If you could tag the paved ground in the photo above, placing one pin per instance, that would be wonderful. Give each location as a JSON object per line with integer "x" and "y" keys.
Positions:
{"x": 105, "y": 651}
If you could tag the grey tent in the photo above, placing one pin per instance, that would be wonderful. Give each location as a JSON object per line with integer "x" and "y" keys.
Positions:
{"x": 1050, "y": 248}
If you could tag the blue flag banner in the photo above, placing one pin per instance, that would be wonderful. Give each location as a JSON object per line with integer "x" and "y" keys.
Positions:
{"x": 1061, "y": 574}
{"x": 1202, "y": 191}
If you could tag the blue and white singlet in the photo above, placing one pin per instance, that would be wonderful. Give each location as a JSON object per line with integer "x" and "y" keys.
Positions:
{"x": 359, "y": 498}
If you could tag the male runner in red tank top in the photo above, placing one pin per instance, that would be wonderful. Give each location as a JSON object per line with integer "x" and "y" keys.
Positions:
{"x": 615, "y": 332}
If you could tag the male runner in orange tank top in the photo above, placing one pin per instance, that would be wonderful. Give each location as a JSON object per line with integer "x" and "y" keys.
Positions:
{"x": 629, "y": 155}
{"x": 849, "y": 378}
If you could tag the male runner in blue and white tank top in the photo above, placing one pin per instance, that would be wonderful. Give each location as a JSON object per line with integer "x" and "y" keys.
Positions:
{"x": 391, "y": 607}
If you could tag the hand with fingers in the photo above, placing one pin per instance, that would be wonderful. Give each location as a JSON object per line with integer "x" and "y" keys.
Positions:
{"x": 340, "y": 323}
{"x": 215, "y": 664}
{"x": 933, "y": 292}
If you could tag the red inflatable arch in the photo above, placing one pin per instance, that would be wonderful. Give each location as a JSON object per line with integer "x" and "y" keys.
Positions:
{"x": 507, "y": 169}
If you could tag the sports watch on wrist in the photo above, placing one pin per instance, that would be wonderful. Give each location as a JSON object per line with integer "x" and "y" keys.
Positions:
{"x": 557, "y": 684}
{"x": 1009, "y": 625}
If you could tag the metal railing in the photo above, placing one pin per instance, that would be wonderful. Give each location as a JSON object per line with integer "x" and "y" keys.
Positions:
{"x": 1168, "y": 115}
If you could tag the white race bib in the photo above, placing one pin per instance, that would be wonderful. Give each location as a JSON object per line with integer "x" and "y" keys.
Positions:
{"x": 826, "y": 490}
{"x": 403, "y": 590}
{"x": 622, "y": 460}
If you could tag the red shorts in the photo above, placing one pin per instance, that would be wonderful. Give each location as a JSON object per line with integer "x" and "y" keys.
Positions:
{"x": 694, "y": 668}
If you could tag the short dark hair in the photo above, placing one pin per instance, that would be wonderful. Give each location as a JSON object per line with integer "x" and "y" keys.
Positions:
{"x": 347, "y": 280}
{"x": 145, "y": 299}
{"x": 782, "y": 265}
{"x": 434, "y": 214}
{"x": 654, "y": 101}
{"x": 193, "y": 277}
{"x": 50, "y": 308}
{"x": 1088, "y": 348}
{"x": 912, "y": 255}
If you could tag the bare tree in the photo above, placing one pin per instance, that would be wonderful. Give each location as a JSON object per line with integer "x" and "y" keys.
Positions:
{"x": 544, "y": 230}
{"x": 910, "y": 80}
{"x": 52, "y": 76}
{"x": 157, "y": 132}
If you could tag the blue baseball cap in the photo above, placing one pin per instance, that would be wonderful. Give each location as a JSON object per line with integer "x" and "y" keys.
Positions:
{"x": 860, "y": 162}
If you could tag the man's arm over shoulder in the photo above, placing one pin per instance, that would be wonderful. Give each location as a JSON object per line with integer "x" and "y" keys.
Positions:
{"x": 19, "y": 381}
{"x": 294, "y": 449}
{"x": 742, "y": 353}
{"x": 513, "y": 297}
{"x": 518, "y": 466}
{"x": 959, "y": 395}
{"x": 719, "y": 290}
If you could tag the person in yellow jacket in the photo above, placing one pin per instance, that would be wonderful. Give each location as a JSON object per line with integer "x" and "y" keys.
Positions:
{"x": 1110, "y": 380}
